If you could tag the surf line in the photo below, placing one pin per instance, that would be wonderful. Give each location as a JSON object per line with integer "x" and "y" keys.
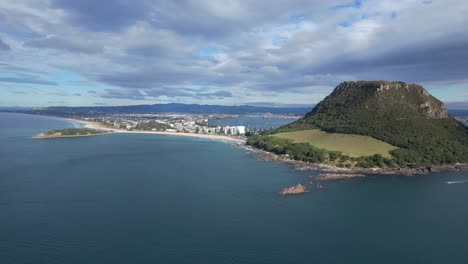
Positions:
{"x": 454, "y": 182}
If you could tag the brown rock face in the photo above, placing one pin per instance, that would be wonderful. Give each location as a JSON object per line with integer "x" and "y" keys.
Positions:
{"x": 297, "y": 189}
{"x": 434, "y": 111}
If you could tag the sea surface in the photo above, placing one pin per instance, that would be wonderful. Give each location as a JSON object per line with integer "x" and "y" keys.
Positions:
{"x": 124, "y": 198}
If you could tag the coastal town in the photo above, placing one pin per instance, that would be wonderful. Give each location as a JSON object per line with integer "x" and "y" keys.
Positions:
{"x": 169, "y": 122}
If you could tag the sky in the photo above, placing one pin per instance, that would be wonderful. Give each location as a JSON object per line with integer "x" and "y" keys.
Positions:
{"x": 88, "y": 52}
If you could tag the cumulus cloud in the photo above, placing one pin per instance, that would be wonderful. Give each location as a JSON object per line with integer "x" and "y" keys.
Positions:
{"x": 216, "y": 94}
{"x": 103, "y": 15}
{"x": 165, "y": 92}
{"x": 236, "y": 51}
{"x": 27, "y": 79}
{"x": 3, "y": 45}
{"x": 70, "y": 44}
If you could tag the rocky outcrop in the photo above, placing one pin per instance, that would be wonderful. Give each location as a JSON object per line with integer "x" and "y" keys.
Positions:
{"x": 297, "y": 189}
{"x": 434, "y": 111}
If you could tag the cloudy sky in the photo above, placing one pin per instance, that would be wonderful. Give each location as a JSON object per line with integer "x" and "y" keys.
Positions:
{"x": 88, "y": 52}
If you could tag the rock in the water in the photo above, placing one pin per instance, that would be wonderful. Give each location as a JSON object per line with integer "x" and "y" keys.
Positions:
{"x": 297, "y": 189}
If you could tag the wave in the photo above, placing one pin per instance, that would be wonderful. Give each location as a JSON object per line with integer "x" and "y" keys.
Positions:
{"x": 454, "y": 182}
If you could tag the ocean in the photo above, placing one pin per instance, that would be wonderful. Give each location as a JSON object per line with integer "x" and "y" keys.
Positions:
{"x": 127, "y": 198}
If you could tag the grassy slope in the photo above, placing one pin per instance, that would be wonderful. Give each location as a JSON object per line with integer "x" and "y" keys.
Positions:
{"x": 351, "y": 145}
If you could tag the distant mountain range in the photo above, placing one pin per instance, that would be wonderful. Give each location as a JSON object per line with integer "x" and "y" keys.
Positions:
{"x": 182, "y": 108}
{"x": 165, "y": 108}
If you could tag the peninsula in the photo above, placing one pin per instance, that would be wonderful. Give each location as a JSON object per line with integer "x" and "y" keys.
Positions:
{"x": 71, "y": 132}
{"x": 372, "y": 125}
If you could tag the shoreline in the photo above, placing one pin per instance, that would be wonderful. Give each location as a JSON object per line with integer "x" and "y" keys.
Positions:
{"x": 67, "y": 136}
{"x": 268, "y": 156}
{"x": 333, "y": 172}
{"x": 100, "y": 126}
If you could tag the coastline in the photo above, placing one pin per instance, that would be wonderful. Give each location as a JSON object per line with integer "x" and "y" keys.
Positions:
{"x": 67, "y": 136}
{"x": 99, "y": 126}
{"x": 268, "y": 156}
{"x": 333, "y": 172}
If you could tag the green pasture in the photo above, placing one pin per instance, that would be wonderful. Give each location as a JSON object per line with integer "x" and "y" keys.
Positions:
{"x": 351, "y": 145}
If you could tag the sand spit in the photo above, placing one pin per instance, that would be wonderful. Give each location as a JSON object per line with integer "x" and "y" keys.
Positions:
{"x": 100, "y": 126}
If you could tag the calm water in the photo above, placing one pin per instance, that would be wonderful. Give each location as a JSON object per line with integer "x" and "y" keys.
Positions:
{"x": 162, "y": 199}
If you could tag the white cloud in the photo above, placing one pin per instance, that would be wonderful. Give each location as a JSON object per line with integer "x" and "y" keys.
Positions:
{"x": 260, "y": 48}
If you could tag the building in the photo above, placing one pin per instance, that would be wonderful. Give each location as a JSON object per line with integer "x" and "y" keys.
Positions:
{"x": 240, "y": 130}
{"x": 233, "y": 130}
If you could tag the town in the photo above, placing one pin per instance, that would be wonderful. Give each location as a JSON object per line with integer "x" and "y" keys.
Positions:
{"x": 169, "y": 122}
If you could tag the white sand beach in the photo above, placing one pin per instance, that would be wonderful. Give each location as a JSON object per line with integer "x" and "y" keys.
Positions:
{"x": 100, "y": 126}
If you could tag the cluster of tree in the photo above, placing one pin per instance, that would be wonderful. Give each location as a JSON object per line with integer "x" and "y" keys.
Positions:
{"x": 308, "y": 153}
{"x": 73, "y": 131}
{"x": 375, "y": 161}
{"x": 299, "y": 151}
{"x": 421, "y": 142}
{"x": 430, "y": 145}
{"x": 152, "y": 125}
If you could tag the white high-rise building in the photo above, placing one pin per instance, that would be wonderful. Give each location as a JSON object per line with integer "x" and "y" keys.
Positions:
{"x": 233, "y": 131}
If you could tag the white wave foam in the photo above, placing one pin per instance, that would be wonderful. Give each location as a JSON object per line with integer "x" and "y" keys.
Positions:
{"x": 454, "y": 182}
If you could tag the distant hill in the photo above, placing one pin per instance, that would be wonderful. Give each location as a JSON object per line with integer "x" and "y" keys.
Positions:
{"x": 403, "y": 115}
{"x": 13, "y": 108}
{"x": 183, "y": 108}
{"x": 167, "y": 108}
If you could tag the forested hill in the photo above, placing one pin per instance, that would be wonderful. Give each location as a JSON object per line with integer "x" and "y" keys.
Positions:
{"x": 404, "y": 115}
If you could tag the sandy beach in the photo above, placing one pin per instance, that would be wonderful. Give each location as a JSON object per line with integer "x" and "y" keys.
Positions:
{"x": 100, "y": 126}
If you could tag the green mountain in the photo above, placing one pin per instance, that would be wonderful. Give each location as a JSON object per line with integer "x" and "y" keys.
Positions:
{"x": 403, "y": 115}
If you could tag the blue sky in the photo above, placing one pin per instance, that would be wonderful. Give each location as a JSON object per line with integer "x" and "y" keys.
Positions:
{"x": 67, "y": 52}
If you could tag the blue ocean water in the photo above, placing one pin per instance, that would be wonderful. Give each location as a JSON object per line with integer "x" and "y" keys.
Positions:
{"x": 125, "y": 198}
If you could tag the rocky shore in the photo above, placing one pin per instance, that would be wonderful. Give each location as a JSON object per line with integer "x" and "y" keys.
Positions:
{"x": 351, "y": 172}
